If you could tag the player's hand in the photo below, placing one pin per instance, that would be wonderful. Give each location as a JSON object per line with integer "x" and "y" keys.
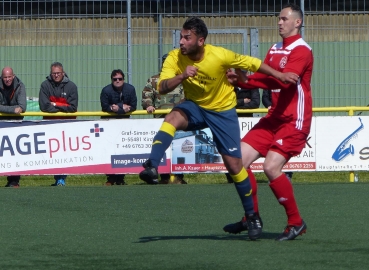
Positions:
{"x": 241, "y": 75}
{"x": 289, "y": 77}
{"x": 150, "y": 109}
{"x": 236, "y": 76}
{"x": 190, "y": 71}
{"x": 232, "y": 77}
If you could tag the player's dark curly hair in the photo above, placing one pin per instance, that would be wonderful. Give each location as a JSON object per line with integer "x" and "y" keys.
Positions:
{"x": 197, "y": 25}
{"x": 296, "y": 8}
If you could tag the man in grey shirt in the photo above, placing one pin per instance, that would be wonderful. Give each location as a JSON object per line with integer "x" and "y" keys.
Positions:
{"x": 12, "y": 101}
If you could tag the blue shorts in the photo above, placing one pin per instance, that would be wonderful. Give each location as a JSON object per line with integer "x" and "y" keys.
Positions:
{"x": 223, "y": 125}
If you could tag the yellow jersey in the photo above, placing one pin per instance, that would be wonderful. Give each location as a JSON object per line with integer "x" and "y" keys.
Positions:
{"x": 210, "y": 88}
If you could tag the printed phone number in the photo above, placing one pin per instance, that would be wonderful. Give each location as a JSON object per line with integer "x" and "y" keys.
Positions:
{"x": 137, "y": 139}
{"x": 135, "y": 145}
{"x": 299, "y": 166}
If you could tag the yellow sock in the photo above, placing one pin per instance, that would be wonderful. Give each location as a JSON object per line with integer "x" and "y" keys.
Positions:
{"x": 168, "y": 128}
{"x": 241, "y": 176}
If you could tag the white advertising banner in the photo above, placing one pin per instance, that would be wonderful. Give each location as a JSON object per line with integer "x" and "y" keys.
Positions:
{"x": 343, "y": 143}
{"x": 196, "y": 151}
{"x": 78, "y": 147}
{"x": 122, "y": 145}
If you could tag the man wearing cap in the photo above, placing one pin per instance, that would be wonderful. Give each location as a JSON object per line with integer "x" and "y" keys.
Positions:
{"x": 152, "y": 100}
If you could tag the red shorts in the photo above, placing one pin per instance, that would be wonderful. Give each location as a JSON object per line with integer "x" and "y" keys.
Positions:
{"x": 280, "y": 137}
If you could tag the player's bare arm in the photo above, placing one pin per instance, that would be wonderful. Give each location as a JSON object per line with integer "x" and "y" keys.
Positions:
{"x": 169, "y": 85}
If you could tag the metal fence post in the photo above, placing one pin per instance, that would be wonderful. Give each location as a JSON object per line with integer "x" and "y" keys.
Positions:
{"x": 302, "y": 6}
{"x": 254, "y": 42}
{"x": 129, "y": 42}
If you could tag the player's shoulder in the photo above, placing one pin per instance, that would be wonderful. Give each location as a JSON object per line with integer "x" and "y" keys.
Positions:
{"x": 220, "y": 53}
{"x": 277, "y": 46}
{"x": 300, "y": 43}
{"x": 174, "y": 55}
{"x": 215, "y": 49}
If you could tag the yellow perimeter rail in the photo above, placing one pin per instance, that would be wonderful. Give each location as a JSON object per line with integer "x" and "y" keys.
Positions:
{"x": 350, "y": 111}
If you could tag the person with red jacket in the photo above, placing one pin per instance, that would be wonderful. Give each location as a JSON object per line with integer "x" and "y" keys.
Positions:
{"x": 58, "y": 94}
{"x": 282, "y": 133}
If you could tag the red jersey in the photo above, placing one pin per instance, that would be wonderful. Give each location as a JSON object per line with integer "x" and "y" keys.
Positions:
{"x": 291, "y": 103}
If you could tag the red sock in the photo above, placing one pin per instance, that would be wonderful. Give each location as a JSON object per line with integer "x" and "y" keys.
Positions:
{"x": 254, "y": 187}
{"x": 283, "y": 191}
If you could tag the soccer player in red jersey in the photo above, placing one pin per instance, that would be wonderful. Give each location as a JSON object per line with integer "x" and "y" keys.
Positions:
{"x": 282, "y": 133}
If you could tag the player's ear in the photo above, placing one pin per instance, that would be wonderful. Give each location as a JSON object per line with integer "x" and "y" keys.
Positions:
{"x": 298, "y": 23}
{"x": 200, "y": 41}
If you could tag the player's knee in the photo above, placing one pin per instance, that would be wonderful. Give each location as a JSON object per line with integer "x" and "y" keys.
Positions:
{"x": 271, "y": 170}
{"x": 176, "y": 119}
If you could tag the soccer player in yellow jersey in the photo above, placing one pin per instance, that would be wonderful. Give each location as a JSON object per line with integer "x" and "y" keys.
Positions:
{"x": 210, "y": 102}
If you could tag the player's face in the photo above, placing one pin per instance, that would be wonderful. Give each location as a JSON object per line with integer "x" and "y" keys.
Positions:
{"x": 288, "y": 23}
{"x": 57, "y": 74}
{"x": 190, "y": 44}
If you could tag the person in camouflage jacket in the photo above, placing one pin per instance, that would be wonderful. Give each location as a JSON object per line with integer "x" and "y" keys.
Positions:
{"x": 152, "y": 100}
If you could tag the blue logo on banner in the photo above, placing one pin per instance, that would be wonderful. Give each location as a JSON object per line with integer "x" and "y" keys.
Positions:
{"x": 129, "y": 161}
{"x": 343, "y": 149}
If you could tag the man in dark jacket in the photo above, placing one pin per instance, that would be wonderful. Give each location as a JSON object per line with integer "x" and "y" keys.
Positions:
{"x": 247, "y": 99}
{"x": 12, "y": 101}
{"x": 58, "y": 94}
{"x": 118, "y": 97}
{"x": 266, "y": 99}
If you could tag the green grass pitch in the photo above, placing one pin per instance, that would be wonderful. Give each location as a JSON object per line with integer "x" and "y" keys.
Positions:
{"x": 178, "y": 227}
